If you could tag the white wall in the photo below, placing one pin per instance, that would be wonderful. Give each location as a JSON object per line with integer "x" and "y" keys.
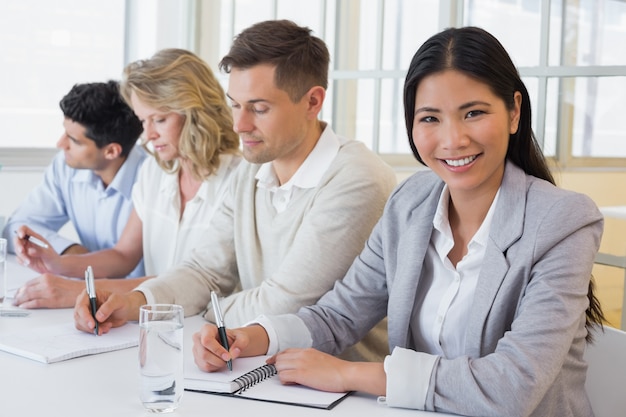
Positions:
{"x": 15, "y": 184}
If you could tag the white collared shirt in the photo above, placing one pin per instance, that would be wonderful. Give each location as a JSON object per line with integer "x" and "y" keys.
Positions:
{"x": 308, "y": 175}
{"x": 445, "y": 293}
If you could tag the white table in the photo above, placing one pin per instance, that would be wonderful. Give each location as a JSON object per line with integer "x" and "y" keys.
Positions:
{"x": 107, "y": 384}
{"x": 617, "y": 261}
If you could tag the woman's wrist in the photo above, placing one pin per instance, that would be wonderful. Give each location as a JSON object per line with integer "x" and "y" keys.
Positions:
{"x": 366, "y": 377}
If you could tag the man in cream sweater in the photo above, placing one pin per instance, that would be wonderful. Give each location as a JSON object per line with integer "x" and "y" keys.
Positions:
{"x": 299, "y": 209}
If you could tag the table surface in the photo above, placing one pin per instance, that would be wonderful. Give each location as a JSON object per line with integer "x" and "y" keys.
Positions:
{"x": 107, "y": 384}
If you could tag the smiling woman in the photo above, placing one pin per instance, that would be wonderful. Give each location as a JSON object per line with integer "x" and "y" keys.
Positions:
{"x": 467, "y": 261}
{"x": 462, "y": 127}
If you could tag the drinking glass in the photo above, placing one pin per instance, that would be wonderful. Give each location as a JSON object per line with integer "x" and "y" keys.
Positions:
{"x": 3, "y": 270}
{"x": 161, "y": 356}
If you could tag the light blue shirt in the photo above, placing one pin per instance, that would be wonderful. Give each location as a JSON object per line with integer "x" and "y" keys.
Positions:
{"x": 98, "y": 214}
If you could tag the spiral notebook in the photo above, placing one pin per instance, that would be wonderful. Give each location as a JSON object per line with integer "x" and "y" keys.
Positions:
{"x": 252, "y": 378}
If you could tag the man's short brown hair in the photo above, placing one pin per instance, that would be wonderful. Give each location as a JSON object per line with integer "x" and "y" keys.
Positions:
{"x": 301, "y": 60}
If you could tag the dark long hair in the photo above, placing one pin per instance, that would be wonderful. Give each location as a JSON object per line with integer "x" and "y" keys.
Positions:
{"x": 478, "y": 54}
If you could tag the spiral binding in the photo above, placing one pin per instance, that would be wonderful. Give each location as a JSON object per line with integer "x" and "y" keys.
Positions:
{"x": 255, "y": 376}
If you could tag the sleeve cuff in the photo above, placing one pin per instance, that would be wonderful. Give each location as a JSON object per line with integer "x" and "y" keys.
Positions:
{"x": 147, "y": 294}
{"x": 59, "y": 243}
{"x": 285, "y": 331}
{"x": 408, "y": 378}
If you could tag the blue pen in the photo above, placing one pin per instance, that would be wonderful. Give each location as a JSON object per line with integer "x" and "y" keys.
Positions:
{"x": 91, "y": 291}
{"x": 219, "y": 320}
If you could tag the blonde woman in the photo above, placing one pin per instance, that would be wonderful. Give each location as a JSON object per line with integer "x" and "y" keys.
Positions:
{"x": 187, "y": 127}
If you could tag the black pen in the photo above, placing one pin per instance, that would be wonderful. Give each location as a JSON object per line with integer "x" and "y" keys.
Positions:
{"x": 219, "y": 320}
{"x": 91, "y": 291}
{"x": 34, "y": 240}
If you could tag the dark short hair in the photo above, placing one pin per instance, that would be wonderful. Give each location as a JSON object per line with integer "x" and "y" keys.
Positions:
{"x": 478, "y": 54}
{"x": 301, "y": 59}
{"x": 107, "y": 118}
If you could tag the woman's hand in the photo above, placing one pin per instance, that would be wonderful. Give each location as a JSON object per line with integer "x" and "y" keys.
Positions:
{"x": 312, "y": 368}
{"x": 325, "y": 372}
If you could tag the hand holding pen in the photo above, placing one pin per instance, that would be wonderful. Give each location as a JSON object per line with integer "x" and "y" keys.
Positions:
{"x": 32, "y": 251}
{"x": 91, "y": 291}
{"x": 219, "y": 321}
{"x": 34, "y": 240}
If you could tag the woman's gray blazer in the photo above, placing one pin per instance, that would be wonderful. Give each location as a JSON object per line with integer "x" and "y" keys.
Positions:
{"x": 526, "y": 334}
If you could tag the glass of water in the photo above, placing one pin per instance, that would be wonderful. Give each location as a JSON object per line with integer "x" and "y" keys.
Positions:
{"x": 161, "y": 356}
{"x": 3, "y": 270}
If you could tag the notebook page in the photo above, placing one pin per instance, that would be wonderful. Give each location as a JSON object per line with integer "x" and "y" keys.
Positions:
{"x": 63, "y": 341}
{"x": 222, "y": 381}
{"x": 273, "y": 390}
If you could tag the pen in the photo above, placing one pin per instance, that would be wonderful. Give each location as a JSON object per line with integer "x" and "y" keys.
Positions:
{"x": 219, "y": 320}
{"x": 35, "y": 241}
{"x": 91, "y": 291}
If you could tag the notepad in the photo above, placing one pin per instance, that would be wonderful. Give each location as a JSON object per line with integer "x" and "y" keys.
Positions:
{"x": 63, "y": 341}
{"x": 253, "y": 379}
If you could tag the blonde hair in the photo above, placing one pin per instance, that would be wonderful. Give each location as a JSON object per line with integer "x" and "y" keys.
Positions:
{"x": 176, "y": 80}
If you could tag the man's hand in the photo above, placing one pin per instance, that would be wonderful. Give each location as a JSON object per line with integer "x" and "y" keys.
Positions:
{"x": 32, "y": 255}
{"x": 209, "y": 354}
{"x": 49, "y": 291}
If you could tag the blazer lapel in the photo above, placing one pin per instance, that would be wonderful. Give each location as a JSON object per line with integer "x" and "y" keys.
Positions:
{"x": 409, "y": 268}
{"x": 506, "y": 228}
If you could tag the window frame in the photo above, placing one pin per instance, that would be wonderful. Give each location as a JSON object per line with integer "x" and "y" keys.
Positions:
{"x": 205, "y": 35}
{"x": 177, "y": 13}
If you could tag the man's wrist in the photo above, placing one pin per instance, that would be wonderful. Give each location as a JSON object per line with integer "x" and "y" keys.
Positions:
{"x": 258, "y": 340}
{"x": 75, "y": 249}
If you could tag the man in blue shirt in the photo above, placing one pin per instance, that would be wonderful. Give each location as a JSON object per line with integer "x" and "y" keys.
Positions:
{"x": 89, "y": 183}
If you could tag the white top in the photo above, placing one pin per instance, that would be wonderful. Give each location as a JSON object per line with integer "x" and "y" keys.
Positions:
{"x": 439, "y": 320}
{"x": 439, "y": 323}
{"x": 168, "y": 238}
{"x": 308, "y": 175}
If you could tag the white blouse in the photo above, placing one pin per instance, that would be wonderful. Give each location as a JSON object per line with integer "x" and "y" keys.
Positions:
{"x": 168, "y": 238}
{"x": 445, "y": 293}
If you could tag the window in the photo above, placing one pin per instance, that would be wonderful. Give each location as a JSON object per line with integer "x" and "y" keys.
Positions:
{"x": 48, "y": 46}
{"x": 569, "y": 52}
{"x": 371, "y": 43}
{"x": 571, "y": 56}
